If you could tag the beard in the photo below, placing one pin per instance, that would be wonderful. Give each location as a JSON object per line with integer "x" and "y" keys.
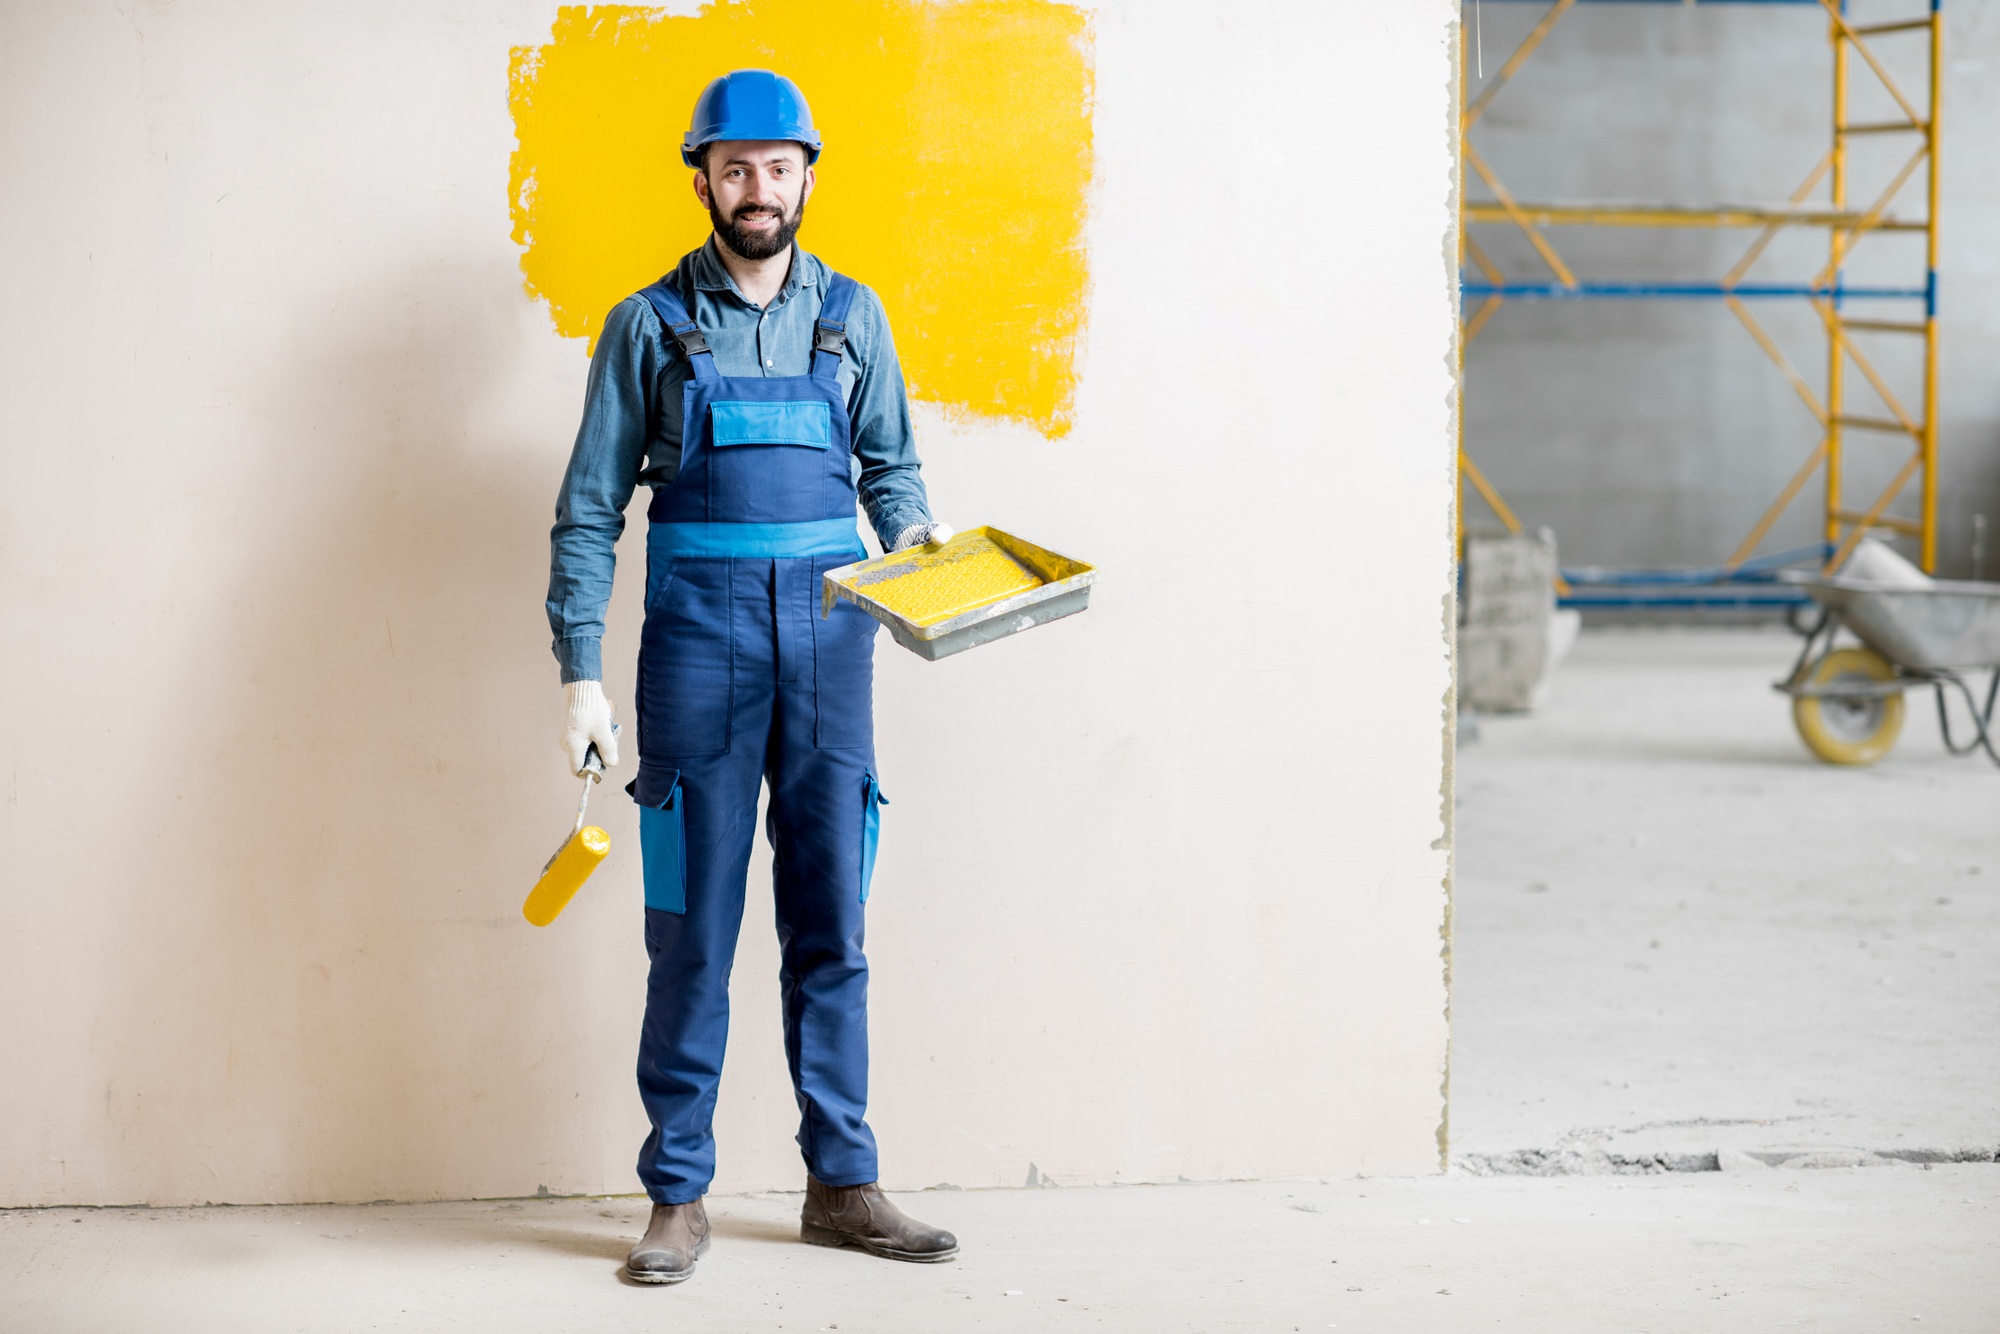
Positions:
{"x": 757, "y": 245}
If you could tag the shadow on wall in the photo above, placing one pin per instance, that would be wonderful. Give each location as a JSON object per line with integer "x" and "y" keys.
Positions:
{"x": 329, "y": 929}
{"x": 1969, "y": 503}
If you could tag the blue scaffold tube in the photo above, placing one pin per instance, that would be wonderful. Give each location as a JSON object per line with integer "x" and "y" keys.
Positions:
{"x": 1814, "y": 3}
{"x": 1772, "y": 597}
{"x": 1689, "y": 291}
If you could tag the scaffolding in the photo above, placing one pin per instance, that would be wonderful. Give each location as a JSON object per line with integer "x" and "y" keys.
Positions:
{"x": 1849, "y": 216}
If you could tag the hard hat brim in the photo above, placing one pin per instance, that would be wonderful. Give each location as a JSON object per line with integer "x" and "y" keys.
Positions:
{"x": 691, "y": 152}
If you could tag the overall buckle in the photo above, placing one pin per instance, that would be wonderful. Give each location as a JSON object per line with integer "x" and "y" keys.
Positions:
{"x": 690, "y": 337}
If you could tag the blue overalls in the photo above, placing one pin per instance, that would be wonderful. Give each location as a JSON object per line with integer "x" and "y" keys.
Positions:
{"x": 741, "y": 681}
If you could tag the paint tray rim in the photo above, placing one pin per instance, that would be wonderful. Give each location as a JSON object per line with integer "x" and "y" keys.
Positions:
{"x": 1077, "y": 575}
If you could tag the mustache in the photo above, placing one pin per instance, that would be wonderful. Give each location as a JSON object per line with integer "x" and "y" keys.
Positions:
{"x": 760, "y": 242}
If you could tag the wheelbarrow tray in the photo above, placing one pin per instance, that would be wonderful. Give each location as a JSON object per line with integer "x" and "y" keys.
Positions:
{"x": 1951, "y": 625}
{"x": 982, "y": 585}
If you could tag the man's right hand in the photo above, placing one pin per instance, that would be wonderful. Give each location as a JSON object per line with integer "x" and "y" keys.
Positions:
{"x": 589, "y": 722}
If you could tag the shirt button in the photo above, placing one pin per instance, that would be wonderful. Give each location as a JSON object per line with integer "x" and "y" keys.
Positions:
{"x": 770, "y": 363}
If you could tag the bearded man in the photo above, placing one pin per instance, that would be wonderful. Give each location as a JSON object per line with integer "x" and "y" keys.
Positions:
{"x": 757, "y": 393}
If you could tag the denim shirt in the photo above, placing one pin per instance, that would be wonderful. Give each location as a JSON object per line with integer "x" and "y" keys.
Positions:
{"x": 631, "y": 430}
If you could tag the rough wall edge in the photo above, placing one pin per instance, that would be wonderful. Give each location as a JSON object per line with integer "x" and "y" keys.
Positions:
{"x": 1452, "y": 246}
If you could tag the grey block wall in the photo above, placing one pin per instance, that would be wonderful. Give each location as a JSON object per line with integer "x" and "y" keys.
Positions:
{"x": 1656, "y": 432}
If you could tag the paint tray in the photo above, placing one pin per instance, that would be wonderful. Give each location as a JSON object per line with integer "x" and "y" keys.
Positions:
{"x": 980, "y": 586}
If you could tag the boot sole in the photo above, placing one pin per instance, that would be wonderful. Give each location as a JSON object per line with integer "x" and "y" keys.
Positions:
{"x": 813, "y": 1235}
{"x": 655, "y": 1276}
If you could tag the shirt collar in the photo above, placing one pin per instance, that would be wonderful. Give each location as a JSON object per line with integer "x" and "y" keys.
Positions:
{"x": 710, "y": 276}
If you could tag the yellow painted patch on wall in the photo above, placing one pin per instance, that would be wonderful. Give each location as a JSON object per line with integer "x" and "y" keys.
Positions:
{"x": 954, "y": 179}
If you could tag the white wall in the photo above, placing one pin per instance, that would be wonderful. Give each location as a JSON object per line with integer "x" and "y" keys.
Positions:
{"x": 1162, "y": 888}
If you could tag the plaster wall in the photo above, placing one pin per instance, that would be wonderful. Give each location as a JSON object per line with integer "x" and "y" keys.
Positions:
{"x": 1162, "y": 888}
{"x": 1656, "y": 432}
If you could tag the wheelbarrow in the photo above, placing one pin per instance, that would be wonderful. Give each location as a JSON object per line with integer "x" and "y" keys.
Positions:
{"x": 1847, "y": 702}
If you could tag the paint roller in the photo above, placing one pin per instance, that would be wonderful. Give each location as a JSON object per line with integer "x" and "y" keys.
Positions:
{"x": 563, "y": 875}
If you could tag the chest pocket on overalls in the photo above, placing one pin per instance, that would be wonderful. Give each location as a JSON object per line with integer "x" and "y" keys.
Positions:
{"x": 770, "y": 457}
{"x": 737, "y": 423}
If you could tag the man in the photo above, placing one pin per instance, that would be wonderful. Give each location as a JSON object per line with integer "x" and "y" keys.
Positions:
{"x": 756, "y": 392}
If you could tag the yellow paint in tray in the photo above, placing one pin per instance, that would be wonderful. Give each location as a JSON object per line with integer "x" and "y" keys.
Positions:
{"x": 936, "y": 584}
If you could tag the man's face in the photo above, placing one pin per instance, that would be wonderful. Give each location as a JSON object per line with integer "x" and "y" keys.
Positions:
{"x": 755, "y": 192}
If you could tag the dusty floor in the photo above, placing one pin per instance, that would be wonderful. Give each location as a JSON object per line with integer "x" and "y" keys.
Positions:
{"x": 1842, "y": 1249}
{"x": 1679, "y": 941}
{"x": 1677, "y": 932}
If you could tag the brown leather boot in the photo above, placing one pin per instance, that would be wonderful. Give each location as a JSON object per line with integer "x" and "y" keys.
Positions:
{"x": 862, "y": 1216}
{"x": 675, "y": 1237}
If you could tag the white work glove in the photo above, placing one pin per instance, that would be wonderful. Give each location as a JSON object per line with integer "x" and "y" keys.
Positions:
{"x": 589, "y": 721}
{"x": 918, "y": 534}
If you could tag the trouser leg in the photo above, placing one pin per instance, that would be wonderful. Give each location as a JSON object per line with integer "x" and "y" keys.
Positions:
{"x": 691, "y": 952}
{"x": 815, "y": 824}
{"x": 686, "y": 1027}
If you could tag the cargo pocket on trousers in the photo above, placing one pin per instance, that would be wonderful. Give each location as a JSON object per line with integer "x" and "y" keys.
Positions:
{"x": 663, "y": 851}
{"x": 872, "y": 802}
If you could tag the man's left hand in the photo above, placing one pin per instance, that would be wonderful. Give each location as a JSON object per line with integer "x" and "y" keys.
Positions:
{"x": 923, "y": 534}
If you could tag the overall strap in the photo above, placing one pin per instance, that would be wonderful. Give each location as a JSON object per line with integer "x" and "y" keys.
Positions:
{"x": 674, "y": 313}
{"x": 830, "y": 334}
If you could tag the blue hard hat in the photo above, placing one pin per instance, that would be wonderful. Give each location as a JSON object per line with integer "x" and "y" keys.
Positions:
{"x": 750, "y": 104}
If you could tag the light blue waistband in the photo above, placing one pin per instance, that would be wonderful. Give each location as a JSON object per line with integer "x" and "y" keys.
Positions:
{"x": 820, "y": 537}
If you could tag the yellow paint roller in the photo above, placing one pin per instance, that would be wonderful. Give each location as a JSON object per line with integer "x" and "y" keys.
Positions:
{"x": 573, "y": 862}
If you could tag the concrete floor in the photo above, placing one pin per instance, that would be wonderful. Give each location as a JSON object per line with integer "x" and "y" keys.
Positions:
{"x": 1680, "y": 942}
{"x": 1678, "y": 933}
{"x": 1841, "y": 1249}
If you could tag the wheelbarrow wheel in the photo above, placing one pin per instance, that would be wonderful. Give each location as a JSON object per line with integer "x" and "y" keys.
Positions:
{"x": 1849, "y": 729}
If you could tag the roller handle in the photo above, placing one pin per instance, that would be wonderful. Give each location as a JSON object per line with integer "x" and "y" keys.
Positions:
{"x": 591, "y": 772}
{"x": 593, "y": 763}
